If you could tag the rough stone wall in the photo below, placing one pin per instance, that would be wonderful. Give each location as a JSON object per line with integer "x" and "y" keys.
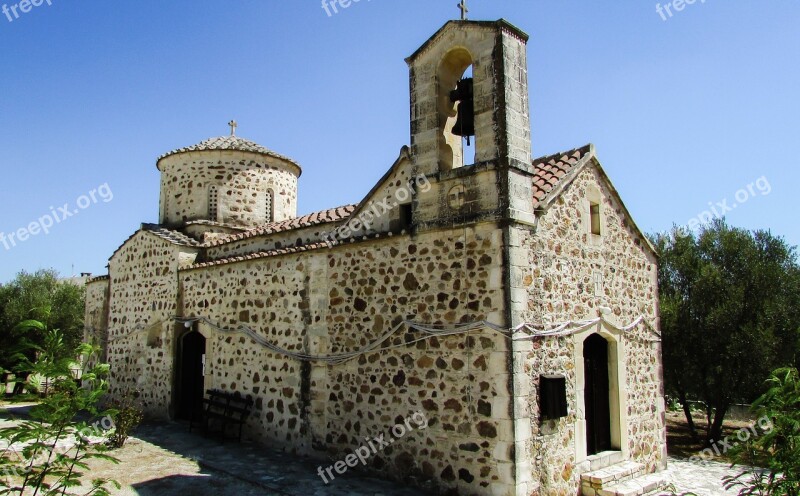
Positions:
{"x": 265, "y": 295}
{"x": 96, "y": 314}
{"x": 142, "y": 304}
{"x": 338, "y": 300}
{"x": 553, "y": 280}
{"x": 243, "y": 180}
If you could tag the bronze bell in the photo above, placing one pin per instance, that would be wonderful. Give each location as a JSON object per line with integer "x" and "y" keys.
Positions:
{"x": 463, "y": 95}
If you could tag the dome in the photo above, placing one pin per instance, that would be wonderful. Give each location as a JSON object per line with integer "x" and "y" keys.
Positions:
{"x": 228, "y": 180}
{"x": 230, "y": 143}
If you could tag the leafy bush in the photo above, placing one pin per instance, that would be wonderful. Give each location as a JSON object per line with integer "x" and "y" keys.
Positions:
{"x": 673, "y": 404}
{"x": 44, "y": 297}
{"x": 48, "y": 454}
{"x": 778, "y": 449}
{"x": 127, "y": 415}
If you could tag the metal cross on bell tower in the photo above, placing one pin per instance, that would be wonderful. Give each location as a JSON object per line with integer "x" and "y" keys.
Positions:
{"x": 464, "y": 10}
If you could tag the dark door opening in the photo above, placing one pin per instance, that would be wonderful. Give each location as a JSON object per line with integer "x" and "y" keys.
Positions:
{"x": 191, "y": 358}
{"x": 596, "y": 394}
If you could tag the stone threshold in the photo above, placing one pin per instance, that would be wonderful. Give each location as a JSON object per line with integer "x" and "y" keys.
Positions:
{"x": 604, "y": 459}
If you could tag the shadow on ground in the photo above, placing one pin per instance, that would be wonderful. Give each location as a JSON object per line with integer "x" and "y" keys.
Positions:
{"x": 12, "y": 411}
{"x": 276, "y": 471}
{"x": 164, "y": 458}
{"x": 196, "y": 485}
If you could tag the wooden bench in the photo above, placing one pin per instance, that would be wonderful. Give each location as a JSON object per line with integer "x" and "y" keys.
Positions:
{"x": 223, "y": 409}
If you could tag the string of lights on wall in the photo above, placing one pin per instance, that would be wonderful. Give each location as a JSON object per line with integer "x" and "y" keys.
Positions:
{"x": 522, "y": 332}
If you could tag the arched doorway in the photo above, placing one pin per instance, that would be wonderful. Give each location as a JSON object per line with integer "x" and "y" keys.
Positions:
{"x": 191, "y": 380}
{"x": 597, "y": 394}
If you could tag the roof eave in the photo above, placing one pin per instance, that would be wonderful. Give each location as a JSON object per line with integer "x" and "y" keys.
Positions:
{"x": 501, "y": 23}
{"x": 405, "y": 155}
{"x": 276, "y": 156}
{"x": 566, "y": 181}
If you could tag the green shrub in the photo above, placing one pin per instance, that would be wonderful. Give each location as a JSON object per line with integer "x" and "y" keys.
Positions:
{"x": 127, "y": 415}
{"x": 51, "y": 449}
{"x": 778, "y": 449}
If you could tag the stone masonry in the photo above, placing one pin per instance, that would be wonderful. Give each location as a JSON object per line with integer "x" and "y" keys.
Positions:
{"x": 507, "y": 240}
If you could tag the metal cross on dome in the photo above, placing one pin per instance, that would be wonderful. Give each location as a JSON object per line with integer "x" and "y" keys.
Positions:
{"x": 464, "y": 10}
{"x": 233, "y": 125}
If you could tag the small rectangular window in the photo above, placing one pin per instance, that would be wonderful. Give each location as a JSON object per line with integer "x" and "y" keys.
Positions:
{"x": 406, "y": 214}
{"x": 553, "y": 397}
{"x": 594, "y": 212}
{"x": 268, "y": 210}
{"x": 212, "y": 203}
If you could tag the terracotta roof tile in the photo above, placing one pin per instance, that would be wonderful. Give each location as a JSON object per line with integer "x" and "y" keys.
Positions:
{"x": 174, "y": 237}
{"x": 312, "y": 219}
{"x": 262, "y": 254}
{"x": 289, "y": 250}
{"x": 212, "y": 223}
{"x": 228, "y": 143}
{"x": 549, "y": 170}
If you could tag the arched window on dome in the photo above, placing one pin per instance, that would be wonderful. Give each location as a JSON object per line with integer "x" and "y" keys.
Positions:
{"x": 213, "y": 203}
{"x": 269, "y": 207}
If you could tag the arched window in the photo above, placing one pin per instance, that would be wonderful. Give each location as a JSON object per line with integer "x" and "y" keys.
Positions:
{"x": 456, "y": 91}
{"x": 269, "y": 208}
{"x": 594, "y": 218}
{"x": 213, "y": 203}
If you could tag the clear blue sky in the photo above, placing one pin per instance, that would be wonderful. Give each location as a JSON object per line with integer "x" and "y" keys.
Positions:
{"x": 683, "y": 112}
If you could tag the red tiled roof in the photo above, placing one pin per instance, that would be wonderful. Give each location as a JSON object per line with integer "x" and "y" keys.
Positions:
{"x": 321, "y": 217}
{"x": 290, "y": 249}
{"x": 169, "y": 235}
{"x": 548, "y": 171}
{"x": 175, "y": 237}
{"x": 262, "y": 254}
{"x": 203, "y": 222}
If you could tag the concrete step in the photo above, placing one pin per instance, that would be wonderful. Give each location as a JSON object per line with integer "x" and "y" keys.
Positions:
{"x": 604, "y": 459}
{"x": 620, "y": 472}
{"x": 639, "y": 486}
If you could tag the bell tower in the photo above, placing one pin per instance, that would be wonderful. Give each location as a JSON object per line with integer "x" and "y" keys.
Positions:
{"x": 448, "y": 107}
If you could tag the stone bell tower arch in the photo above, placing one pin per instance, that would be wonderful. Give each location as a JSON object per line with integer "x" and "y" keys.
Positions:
{"x": 496, "y": 51}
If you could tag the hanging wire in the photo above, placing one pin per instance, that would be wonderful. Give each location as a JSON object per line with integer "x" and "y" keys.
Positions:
{"x": 527, "y": 331}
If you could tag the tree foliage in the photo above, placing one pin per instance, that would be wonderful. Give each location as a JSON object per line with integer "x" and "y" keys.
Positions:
{"x": 778, "y": 449}
{"x": 42, "y": 297}
{"x": 730, "y": 314}
{"x": 48, "y": 454}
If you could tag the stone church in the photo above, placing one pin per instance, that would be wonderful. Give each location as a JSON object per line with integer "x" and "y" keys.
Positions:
{"x": 511, "y": 301}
